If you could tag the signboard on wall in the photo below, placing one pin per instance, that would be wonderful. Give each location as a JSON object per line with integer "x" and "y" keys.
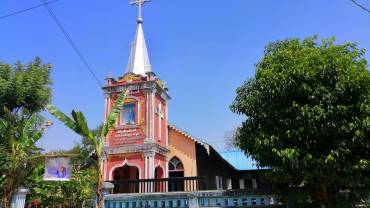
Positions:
{"x": 57, "y": 169}
{"x": 130, "y": 136}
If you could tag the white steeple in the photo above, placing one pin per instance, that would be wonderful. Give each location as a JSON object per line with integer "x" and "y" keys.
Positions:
{"x": 138, "y": 62}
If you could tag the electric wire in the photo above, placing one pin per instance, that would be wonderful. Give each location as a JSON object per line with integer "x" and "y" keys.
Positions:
{"x": 26, "y": 10}
{"x": 70, "y": 41}
{"x": 361, "y": 6}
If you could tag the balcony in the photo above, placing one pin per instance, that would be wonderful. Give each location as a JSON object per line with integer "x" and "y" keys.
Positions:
{"x": 187, "y": 192}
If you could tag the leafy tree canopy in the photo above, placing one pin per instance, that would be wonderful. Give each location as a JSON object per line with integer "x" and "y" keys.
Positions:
{"x": 308, "y": 116}
{"x": 24, "y": 87}
{"x": 24, "y": 92}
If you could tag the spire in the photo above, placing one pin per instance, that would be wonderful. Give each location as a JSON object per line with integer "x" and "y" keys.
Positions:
{"x": 138, "y": 62}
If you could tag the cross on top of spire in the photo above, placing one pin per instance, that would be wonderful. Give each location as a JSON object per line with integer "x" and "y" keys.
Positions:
{"x": 138, "y": 62}
{"x": 139, "y": 4}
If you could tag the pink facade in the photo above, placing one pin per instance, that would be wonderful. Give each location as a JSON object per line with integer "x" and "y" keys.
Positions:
{"x": 137, "y": 147}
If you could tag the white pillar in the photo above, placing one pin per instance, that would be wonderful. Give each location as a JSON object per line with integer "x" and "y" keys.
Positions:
{"x": 152, "y": 104}
{"x": 147, "y": 118}
{"x": 149, "y": 166}
{"x": 19, "y": 198}
{"x": 241, "y": 184}
{"x": 254, "y": 183}
{"x": 193, "y": 202}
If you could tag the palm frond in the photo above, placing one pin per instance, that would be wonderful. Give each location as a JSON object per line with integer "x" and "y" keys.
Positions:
{"x": 83, "y": 127}
{"x": 112, "y": 117}
{"x": 37, "y": 136}
{"x": 2, "y": 126}
{"x": 29, "y": 125}
{"x": 63, "y": 118}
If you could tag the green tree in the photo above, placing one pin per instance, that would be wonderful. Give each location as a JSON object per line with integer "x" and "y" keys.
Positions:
{"x": 24, "y": 92}
{"x": 308, "y": 118}
{"x": 79, "y": 125}
{"x": 24, "y": 89}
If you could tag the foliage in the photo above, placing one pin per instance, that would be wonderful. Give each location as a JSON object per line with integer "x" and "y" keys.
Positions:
{"x": 79, "y": 125}
{"x": 24, "y": 87}
{"x": 17, "y": 154}
{"x": 74, "y": 193}
{"x": 24, "y": 92}
{"x": 308, "y": 118}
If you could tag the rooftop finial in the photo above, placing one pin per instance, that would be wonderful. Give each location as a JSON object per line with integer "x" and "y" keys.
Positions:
{"x": 139, "y": 4}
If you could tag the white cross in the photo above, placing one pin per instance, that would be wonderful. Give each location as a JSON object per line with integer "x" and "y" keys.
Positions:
{"x": 160, "y": 117}
{"x": 139, "y": 4}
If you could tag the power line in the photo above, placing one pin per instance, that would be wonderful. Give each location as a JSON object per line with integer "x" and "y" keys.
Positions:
{"x": 26, "y": 10}
{"x": 70, "y": 41}
{"x": 361, "y": 6}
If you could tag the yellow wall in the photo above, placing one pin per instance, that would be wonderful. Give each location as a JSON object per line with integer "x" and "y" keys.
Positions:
{"x": 183, "y": 148}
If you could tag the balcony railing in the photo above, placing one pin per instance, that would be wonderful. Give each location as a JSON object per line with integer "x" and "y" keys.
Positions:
{"x": 180, "y": 184}
{"x": 187, "y": 184}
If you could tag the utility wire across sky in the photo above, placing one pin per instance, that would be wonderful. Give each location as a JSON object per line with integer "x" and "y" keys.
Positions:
{"x": 361, "y": 6}
{"x": 62, "y": 29}
{"x": 70, "y": 41}
{"x": 74, "y": 46}
{"x": 25, "y": 10}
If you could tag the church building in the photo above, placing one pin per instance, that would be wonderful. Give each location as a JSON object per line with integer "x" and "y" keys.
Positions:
{"x": 144, "y": 144}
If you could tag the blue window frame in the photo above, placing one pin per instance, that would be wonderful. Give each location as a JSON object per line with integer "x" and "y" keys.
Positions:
{"x": 128, "y": 114}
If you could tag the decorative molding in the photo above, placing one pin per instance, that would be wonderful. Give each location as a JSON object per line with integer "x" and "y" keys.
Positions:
{"x": 130, "y": 100}
{"x": 147, "y": 85}
{"x": 139, "y": 148}
{"x": 149, "y": 153}
{"x": 125, "y": 162}
{"x": 129, "y": 77}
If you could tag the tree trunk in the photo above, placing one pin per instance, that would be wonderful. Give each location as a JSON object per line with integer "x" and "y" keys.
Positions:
{"x": 323, "y": 198}
{"x": 6, "y": 198}
{"x": 100, "y": 184}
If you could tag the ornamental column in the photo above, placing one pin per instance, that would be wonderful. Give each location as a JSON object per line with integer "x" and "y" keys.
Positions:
{"x": 149, "y": 164}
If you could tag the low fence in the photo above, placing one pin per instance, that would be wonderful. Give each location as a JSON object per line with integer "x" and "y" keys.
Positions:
{"x": 187, "y": 184}
{"x": 197, "y": 199}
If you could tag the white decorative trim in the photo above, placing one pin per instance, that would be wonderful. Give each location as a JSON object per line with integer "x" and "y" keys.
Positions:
{"x": 125, "y": 162}
{"x": 152, "y": 167}
{"x": 166, "y": 124}
{"x": 105, "y": 107}
{"x": 147, "y": 115}
{"x": 146, "y": 167}
{"x": 152, "y": 99}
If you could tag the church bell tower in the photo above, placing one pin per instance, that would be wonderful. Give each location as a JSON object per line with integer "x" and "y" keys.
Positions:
{"x": 137, "y": 146}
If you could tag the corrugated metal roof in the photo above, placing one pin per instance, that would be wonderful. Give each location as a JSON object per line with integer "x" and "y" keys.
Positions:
{"x": 239, "y": 160}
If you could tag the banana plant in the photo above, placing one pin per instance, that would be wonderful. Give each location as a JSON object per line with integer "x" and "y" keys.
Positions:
{"x": 18, "y": 147}
{"x": 78, "y": 124}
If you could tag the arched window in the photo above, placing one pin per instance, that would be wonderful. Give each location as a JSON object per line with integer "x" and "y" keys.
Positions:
{"x": 175, "y": 164}
{"x": 128, "y": 116}
{"x": 176, "y": 170}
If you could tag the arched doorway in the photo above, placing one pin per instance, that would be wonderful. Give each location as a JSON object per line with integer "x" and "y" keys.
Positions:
{"x": 125, "y": 179}
{"x": 158, "y": 174}
{"x": 176, "y": 171}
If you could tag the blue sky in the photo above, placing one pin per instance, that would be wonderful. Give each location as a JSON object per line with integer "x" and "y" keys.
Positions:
{"x": 203, "y": 50}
